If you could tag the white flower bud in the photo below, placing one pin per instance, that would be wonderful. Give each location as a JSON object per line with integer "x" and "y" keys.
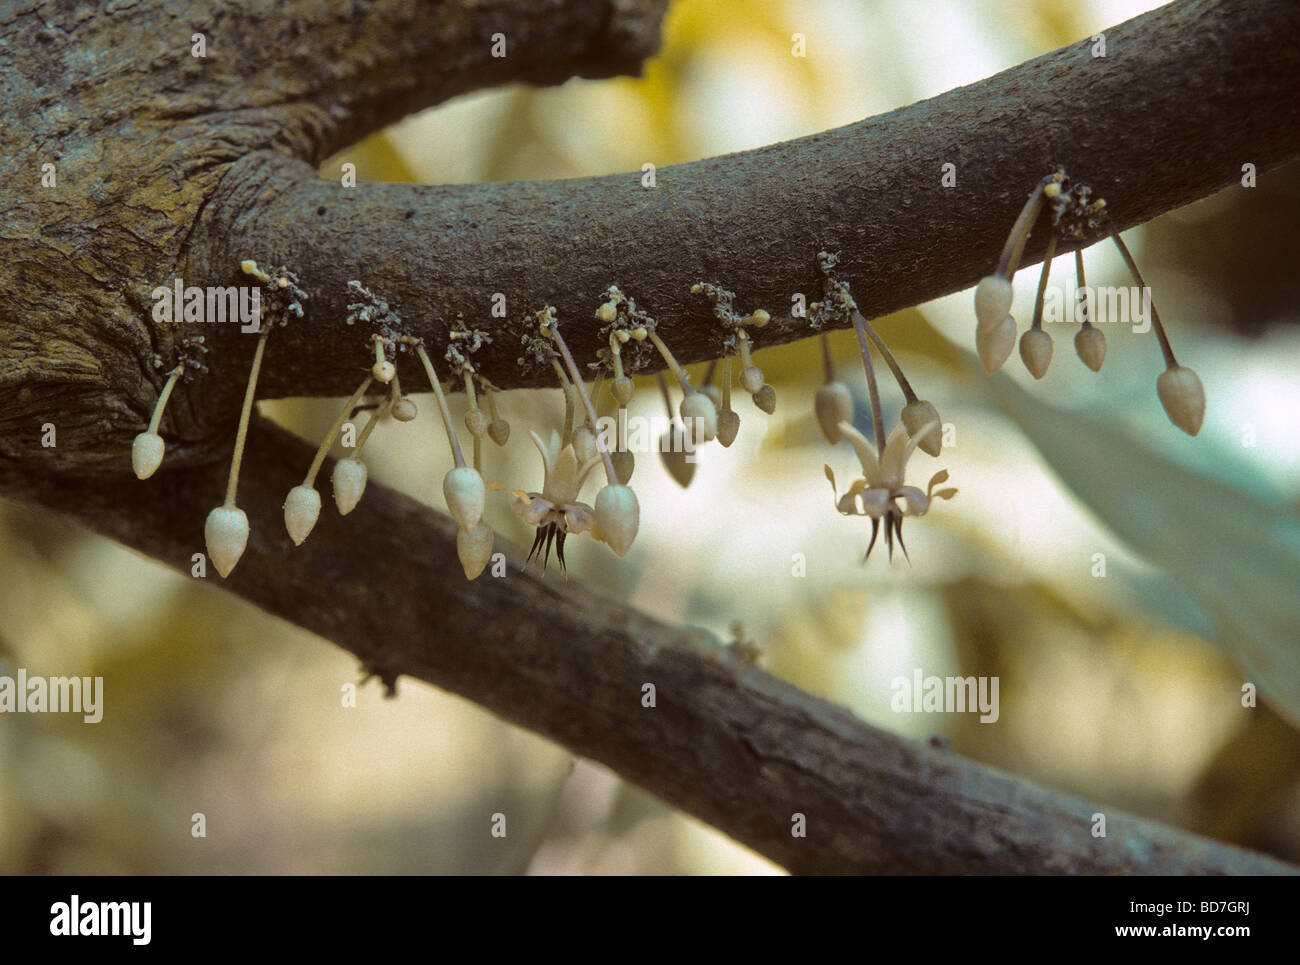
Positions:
{"x": 832, "y": 405}
{"x": 147, "y": 454}
{"x": 617, "y": 517}
{"x": 699, "y": 417}
{"x": 1183, "y": 397}
{"x": 383, "y": 371}
{"x": 622, "y": 388}
{"x": 226, "y": 535}
{"x": 301, "y": 510}
{"x": 1090, "y": 343}
{"x": 349, "y": 483}
{"x": 1036, "y": 351}
{"x": 464, "y": 492}
{"x": 994, "y": 345}
{"x": 993, "y": 297}
{"x": 916, "y": 416}
{"x": 499, "y": 431}
{"x": 404, "y": 410}
{"x": 751, "y": 379}
{"x": 476, "y": 422}
{"x": 728, "y": 426}
{"x": 765, "y": 398}
{"x": 474, "y": 547}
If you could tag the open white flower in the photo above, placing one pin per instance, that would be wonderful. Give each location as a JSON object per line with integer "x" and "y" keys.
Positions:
{"x": 555, "y": 511}
{"x": 881, "y": 492}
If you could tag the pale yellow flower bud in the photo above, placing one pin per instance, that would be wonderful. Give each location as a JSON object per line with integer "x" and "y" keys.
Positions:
{"x": 1183, "y": 397}
{"x": 751, "y": 379}
{"x": 832, "y": 405}
{"x": 404, "y": 410}
{"x": 994, "y": 345}
{"x": 624, "y": 465}
{"x": 383, "y": 371}
{"x": 728, "y": 426}
{"x": 301, "y": 510}
{"x": 700, "y": 417}
{"x": 674, "y": 458}
{"x": 758, "y": 319}
{"x": 617, "y": 517}
{"x": 622, "y": 388}
{"x": 1090, "y": 343}
{"x": 916, "y": 417}
{"x": 463, "y": 490}
{"x": 608, "y": 311}
{"x": 474, "y": 548}
{"x": 226, "y": 535}
{"x": 349, "y": 481}
{"x": 476, "y": 422}
{"x": 993, "y": 297}
{"x": 1036, "y": 351}
{"x": 147, "y": 454}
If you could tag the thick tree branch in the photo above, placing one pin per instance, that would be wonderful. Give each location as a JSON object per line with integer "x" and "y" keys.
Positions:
{"x": 114, "y": 135}
{"x": 1183, "y": 98}
{"x": 726, "y": 742}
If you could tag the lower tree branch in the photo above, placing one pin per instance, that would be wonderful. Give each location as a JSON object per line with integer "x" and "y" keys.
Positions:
{"x": 726, "y": 741}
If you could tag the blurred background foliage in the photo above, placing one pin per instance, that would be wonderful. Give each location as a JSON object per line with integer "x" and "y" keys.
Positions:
{"x": 1124, "y": 689}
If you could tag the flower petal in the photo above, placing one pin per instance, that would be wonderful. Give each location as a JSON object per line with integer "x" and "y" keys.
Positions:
{"x": 916, "y": 503}
{"x": 579, "y": 517}
{"x": 876, "y": 502}
{"x": 865, "y": 450}
{"x": 546, "y": 457}
{"x": 562, "y": 485}
{"x": 532, "y": 508}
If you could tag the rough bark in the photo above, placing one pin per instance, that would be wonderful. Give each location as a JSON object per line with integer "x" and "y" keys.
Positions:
{"x": 169, "y": 165}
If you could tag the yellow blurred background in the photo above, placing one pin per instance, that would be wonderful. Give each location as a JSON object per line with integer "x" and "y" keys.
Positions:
{"x": 1124, "y": 689}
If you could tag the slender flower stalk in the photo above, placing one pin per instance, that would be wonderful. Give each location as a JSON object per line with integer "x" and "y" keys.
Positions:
{"x": 1179, "y": 388}
{"x": 241, "y": 434}
{"x": 570, "y": 403}
{"x": 728, "y": 420}
{"x": 498, "y": 428}
{"x": 302, "y": 505}
{"x": 1165, "y": 348}
{"x": 148, "y": 447}
{"x": 1036, "y": 344}
{"x": 873, "y": 392}
{"x": 457, "y": 454}
{"x": 462, "y": 487}
{"x": 225, "y": 532}
{"x": 618, "y": 514}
